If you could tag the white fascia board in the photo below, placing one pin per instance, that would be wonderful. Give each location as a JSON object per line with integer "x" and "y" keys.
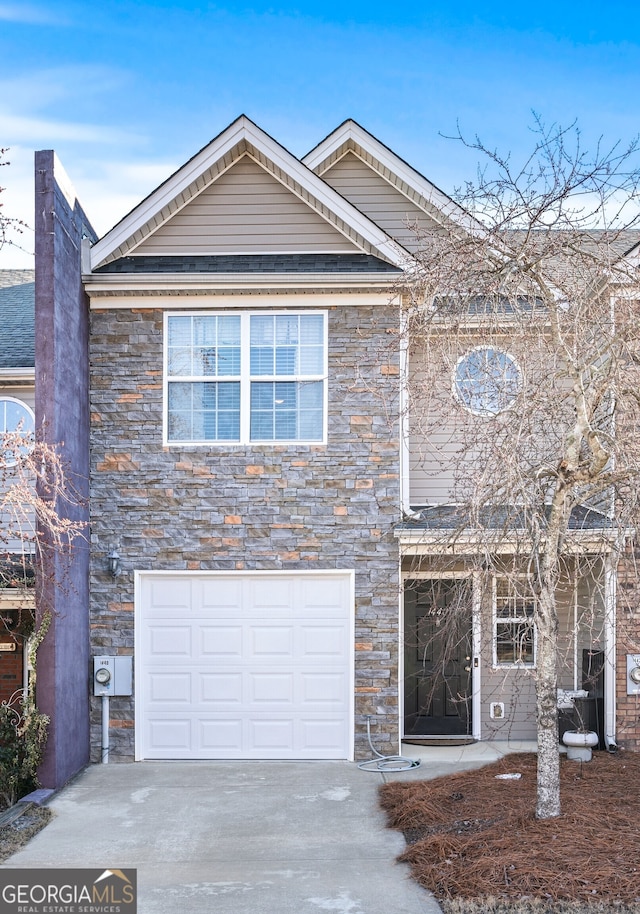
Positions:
{"x": 203, "y": 294}
{"x": 248, "y": 299}
{"x": 17, "y": 374}
{"x": 136, "y": 283}
{"x": 244, "y": 129}
{"x": 350, "y": 130}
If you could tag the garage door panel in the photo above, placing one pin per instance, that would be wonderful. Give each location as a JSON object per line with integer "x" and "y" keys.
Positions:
{"x": 170, "y": 640}
{"x": 220, "y": 688}
{"x": 271, "y": 734}
{"x": 221, "y": 734}
{"x": 323, "y": 689}
{"x": 172, "y": 594}
{"x": 329, "y": 640}
{"x": 329, "y": 598}
{"x": 169, "y": 733}
{"x": 221, "y": 640}
{"x": 271, "y": 688}
{"x": 278, "y": 596}
{"x": 222, "y": 594}
{"x": 273, "y": 640}
{"x": 252, "y": 675}
{"x": 169, "y": 688}
{"x": 320, "y": 733}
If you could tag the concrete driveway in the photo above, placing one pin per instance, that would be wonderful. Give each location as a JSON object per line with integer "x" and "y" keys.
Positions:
{"x": 236, "y": 837}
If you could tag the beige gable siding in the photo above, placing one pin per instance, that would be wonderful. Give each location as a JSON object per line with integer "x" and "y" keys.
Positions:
{"x": 436, "y": 444}
{"x": 378, "y": 199}
{"x": 435, "y": 463}
{"x": 246, "y": 211}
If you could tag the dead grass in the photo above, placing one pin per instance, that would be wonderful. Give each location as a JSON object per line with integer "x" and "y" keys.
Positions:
{"x": 473, "y": 840}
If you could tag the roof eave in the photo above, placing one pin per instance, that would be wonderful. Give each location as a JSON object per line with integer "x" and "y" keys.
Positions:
{"x": 26, "y": 373}
{"x": 133, "y": 283}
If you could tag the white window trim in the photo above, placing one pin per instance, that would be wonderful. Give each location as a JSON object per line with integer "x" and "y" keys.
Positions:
{"x": 501, "y": 665}
{"x": 12, "y": 462}
{"x": 245, "y": 380}
{"x": 483, "y": 412}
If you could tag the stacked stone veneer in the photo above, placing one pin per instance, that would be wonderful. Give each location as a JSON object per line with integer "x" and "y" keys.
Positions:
{"x": 628, "y": 642}
{"x": 243, "y": 508}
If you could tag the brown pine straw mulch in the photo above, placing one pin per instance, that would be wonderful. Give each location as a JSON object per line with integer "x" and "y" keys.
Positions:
{"x": 472, "y": 836}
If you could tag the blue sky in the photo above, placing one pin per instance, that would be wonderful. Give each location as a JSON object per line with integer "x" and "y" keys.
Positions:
{"x": 125, "y": 92}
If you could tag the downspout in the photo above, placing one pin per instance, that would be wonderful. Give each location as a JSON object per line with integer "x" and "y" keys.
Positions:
{"x": 610, "y": 584}
{"x": 405, "y": 449}
{"x": 476, "y": 655}
{"x": 405, "y": 494}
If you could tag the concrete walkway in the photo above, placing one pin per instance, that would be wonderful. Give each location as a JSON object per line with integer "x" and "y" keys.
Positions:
{"x": 242, "y": 837}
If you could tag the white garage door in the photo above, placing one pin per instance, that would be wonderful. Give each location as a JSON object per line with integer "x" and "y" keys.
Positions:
{"x": 244, "y": 665}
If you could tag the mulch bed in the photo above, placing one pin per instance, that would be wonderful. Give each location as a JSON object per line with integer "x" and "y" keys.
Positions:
{"x": 473, "y": 836}
{"x": 19, "y": 832}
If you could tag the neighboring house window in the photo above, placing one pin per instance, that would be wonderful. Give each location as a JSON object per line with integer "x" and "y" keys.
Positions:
{"x": 514, "y": 642}
{"x": 16, "y": 417}
{"x": 245, "y": 377}
{"x": 487, "y": 381}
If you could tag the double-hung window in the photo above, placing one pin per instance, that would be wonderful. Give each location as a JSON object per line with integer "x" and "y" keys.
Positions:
{"x": 245, "y": 377}
{"x": 514, "y": 628}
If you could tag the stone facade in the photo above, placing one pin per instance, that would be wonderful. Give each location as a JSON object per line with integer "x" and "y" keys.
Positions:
{"x": 628, "y": 642}
{"x": 244, "y": 508}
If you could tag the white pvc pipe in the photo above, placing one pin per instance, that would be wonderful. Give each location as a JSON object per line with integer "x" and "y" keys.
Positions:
{"x": 105, "y": 729}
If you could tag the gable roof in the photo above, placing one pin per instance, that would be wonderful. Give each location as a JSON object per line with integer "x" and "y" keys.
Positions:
{"x": 243, "y": 139}
{"x": 17, "y": 330}
{"x": 350, "y": 137}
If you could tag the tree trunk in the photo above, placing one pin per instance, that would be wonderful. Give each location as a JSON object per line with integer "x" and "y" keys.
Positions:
{"x": 548, "y": 786}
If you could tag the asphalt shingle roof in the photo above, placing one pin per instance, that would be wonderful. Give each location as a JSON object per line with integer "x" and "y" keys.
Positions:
{"x": 251, "y": 263}
{"x": 452, "y": 518}
{"x": 17, "y": 332}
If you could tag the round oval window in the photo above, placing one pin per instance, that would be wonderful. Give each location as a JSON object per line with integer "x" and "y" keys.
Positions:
{"x": 486, "y": 380}
{"x": 16, "y": 419}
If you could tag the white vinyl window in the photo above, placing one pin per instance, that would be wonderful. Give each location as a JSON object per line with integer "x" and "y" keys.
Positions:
{"x": 17, "y": 426}
{"x": 487, "y": 381}
{"x": 245, "y": 377}
{"x": 514, "y": 642}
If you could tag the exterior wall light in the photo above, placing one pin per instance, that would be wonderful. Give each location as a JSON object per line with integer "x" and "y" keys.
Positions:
{"x": 113, "y": 563}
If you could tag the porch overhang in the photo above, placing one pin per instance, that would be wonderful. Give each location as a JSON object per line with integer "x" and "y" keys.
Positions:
{"x": 444, "y": 530}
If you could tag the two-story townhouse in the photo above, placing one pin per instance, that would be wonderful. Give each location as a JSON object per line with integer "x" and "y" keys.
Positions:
{"x": 261, "y": 518}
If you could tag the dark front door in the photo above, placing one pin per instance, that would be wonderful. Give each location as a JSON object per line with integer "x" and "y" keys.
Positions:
{"x": 437, "y": 698}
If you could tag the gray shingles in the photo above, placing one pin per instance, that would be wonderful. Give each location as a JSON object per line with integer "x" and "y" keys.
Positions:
{"x": 449, "y": 518}
{"x": 251, "y": 263}
{"x": 17, "y": 300}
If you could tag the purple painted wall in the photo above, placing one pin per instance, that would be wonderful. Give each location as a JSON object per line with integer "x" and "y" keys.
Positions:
{"x": 62, "y": 418}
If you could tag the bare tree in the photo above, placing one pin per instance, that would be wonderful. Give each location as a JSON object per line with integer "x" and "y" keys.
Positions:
{"x": 10, "y": 227}
{"x": 524, "y": 389}
{"x": 34, "y": 495}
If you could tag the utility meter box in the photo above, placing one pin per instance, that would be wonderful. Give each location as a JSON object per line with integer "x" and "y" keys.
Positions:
{"x": 633, "y": 674}
{"x": 112, "y": 675}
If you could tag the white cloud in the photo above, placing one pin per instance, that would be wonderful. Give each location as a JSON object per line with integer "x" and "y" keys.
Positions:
{"x": 107, "y": 189}
{"x": 25, "y": 97}
{"x": 27, "y": 13}
{"x": 45, "y": 132}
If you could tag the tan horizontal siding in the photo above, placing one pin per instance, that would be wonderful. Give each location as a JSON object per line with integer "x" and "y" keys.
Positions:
{"x": 378, "y": 199}
{"x": 246, "y": 211}
{"x": 24, "y": 394}
{"x": 435, "y": 461}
